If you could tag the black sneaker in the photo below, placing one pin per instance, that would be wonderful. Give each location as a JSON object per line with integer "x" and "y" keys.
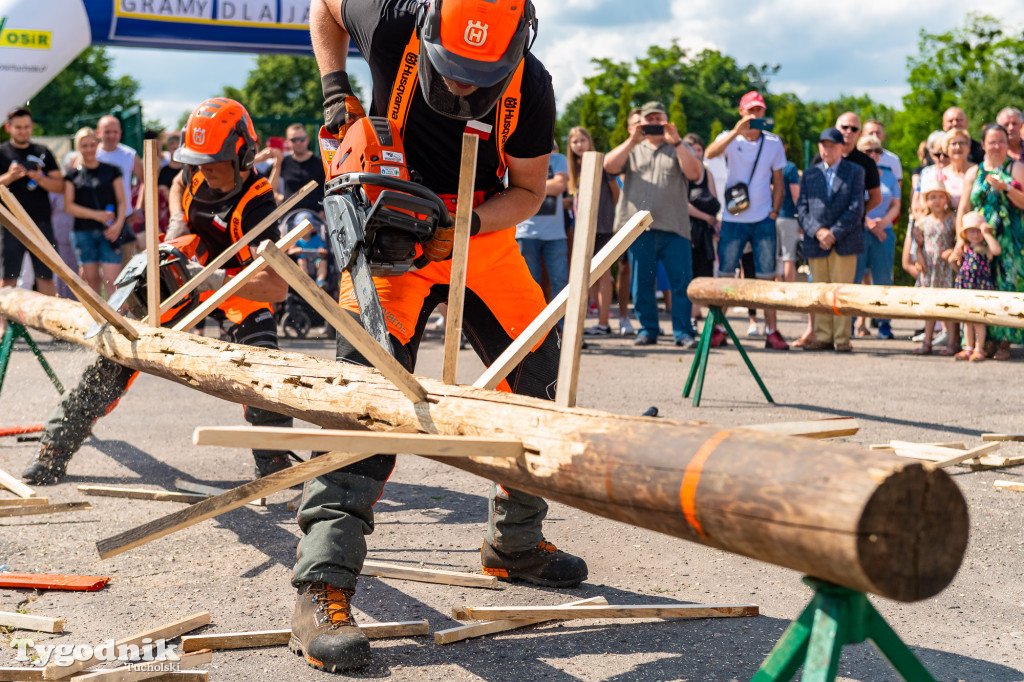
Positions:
{"x": 544, "y": 565}
{"x": 271, "y": 461}
{"x": 598, "y": 330}
{"x": 323, "y": 631}
{"x": 47, "y": 467}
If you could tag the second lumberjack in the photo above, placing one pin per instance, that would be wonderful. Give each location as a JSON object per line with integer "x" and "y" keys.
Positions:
{"x": 439, "y": 69}
{"x": 220, "y": 197}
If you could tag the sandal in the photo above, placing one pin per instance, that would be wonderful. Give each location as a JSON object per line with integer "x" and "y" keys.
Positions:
{"x": 863, "y": 332}
{"x": 947, "y": 351}
{"x": 925, "y": 349}
{"x": 979, "y": 355}
{"x": 965, "y": 354}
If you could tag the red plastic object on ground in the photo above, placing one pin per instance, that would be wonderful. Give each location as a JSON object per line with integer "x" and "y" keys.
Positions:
{"x": 42, "y": 581}
{"x": 18, "y": 430}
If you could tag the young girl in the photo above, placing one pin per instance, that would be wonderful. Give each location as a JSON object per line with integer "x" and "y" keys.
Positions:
{"x": 980, "y": 246}
{"x": 937, "y": 225}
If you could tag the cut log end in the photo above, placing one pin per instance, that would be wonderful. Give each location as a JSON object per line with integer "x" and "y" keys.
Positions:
{"x": 913, "y": 533}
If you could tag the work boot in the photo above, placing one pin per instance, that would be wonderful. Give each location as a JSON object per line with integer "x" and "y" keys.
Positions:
{"x": 271, "y": 461}
{"x": 543, "y": 565}
{"x": 323, "y": 631}
{"x": 47, "y": 467}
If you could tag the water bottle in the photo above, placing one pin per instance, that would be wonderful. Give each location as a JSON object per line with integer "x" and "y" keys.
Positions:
{"x": 110, "y": 208}
{"x": 32, "y": 184}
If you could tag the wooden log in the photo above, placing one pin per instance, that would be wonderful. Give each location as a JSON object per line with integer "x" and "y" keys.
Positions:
{"x": 132, "y": 673}
{"x": 600, "y": 611}
{"x": 865, "y": 520}
{"x": 24, "y": 501}
{"x": 591, "y": 177}
{"x": 140, "y": 494}
{"x": 15, "y": 486}
{"x": 490, "y": 627}
{"x": 818, "y": 428}
{"x": 460, "y": 259}
{"x": 381, "y": 569}
{"x": 151, "y": 170}
{"x": 996, "y": 308}
{"x": 25, "y": 621}
{"x": 247, "y": 640}
{"x": 168, "y": 631}
{"x": 34, "y": 510}
{"x": 209, "y": 490}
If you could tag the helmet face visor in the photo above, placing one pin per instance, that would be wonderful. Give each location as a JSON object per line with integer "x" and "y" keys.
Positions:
{"x": 475, "y": 105}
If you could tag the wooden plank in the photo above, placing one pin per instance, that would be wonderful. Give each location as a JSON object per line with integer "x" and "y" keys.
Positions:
{"x": 1012, "y": 437}
{"x": 28, "y": 234}
{"x": 1009, "y": 485}
{"x": 460, "y": 259}
{"x": 280, "y": 438}
{"x": 599, "y": 611}
{"x": 973, "y": 453}
{"x": 130, "y": 673}
{"x": 48, "y": 581}
{"x": 232, "y": 499}
{"x": 15, "y": 486}
{"x": 33, "y": 510}
{"x": 994, "y": 462}
{"x": 140, "y": 494}
{"x": 238, "y": 281}
{"x": 247, "y": 640}
{"x": 167, "y": 631}
{"x": 951, "y": 444}
{"x": 24, "y": 621}
{"x": 209, "y": 490}
{"x": 346, "y": 325}
{"x": 183, "y": 676}
{"x": 151, "y": 169}
{"x": 382, "y": 569}
{"x": 489, "y": 627}
{"x": 816, "y": 428}
{"x": 578, "y": 295}
{"x": 21, "y": 674}
{"x": 542, "y": 324}
{"x": 230, "y": 252}
{"x": 24, "y": 501}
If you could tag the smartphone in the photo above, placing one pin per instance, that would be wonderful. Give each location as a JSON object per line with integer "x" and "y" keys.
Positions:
{"x": 275, "y": 142}
{"x": 762, "y": 123}
{"x": 653, "y": 129}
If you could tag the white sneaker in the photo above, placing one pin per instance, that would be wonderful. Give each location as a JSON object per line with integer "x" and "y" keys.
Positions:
{"x": 625, "y": 327}
{"x": 753, "y": 330}
{"x": 940, "y": 338}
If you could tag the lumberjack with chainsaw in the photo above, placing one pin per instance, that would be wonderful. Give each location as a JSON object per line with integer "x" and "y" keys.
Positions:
{"x": 216, "y": 199}
{"x": 439, "y": 69}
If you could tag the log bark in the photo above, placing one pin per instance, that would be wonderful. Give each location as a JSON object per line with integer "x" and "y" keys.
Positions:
{"x": 865, "y": 520}
{"x": 995, "y": 308}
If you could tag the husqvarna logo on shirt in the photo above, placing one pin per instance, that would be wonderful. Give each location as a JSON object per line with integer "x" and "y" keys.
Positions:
{"x": 476, "y": 33}
{"x": 198, "y": 136}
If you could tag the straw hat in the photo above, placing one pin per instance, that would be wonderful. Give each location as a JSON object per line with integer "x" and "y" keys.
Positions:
{"x": 932, "y": 182}
{"x": 972, "y": 219}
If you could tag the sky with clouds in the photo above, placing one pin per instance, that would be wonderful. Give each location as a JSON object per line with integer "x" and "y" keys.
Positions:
{"x": 824, "y": 49}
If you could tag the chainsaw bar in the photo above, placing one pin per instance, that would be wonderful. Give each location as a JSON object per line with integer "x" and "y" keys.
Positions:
{"x": 371, "y": 313}
{"x": 116, "y": 301}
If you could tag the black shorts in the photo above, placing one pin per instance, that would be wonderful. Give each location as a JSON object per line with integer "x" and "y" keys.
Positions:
{"x": 14, "y": 253}
{"x": 601, "y": 240}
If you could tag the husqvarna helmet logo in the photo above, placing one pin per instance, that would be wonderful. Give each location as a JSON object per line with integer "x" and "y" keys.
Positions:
{"x": 476, "y": 33}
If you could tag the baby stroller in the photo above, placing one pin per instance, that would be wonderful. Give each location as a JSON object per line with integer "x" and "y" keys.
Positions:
{"x": 296, "y": 317}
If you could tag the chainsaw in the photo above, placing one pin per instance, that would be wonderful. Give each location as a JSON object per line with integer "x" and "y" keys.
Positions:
{"x": 376, "y": 215}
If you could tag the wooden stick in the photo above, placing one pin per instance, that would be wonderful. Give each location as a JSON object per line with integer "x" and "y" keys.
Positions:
{"x": 150, "y": 164}
{"x": 598, "y": 611}
{"x": 239, "y": 280}
{"x": 33, "y": 510}
{"x": 489, "y": 627}
{"x": 140, "y": 494}
{"x": 15, "y": 486}
{"x": 24, "y": 501}
{"x": 1009, "y": 485}
{"x": 131, "y": 673}
{"x": 209, "y": 490}
{"x": 591, "y": 177}
{"x": 973, "y": 453}
{"x": 24, "y": 621}
{"x": 1012, "y": 437}
{"x": 246, "y": 640}
{"x": 542, "y": 324}
{"x": 817, "y": 428}
{"x": 278, "y": 438}
{"x": 346, "y": 325}
{"x": 460, "y": 259}
{"x": 232, "y": 499}
{"x": 381, "y": 569}
{"x": 230, "y": 252}
{"x": 951, "y": 444}
{"x": 168, "y": 631}
{"x": 29, "y": 235}
{"x": 21, "y": 674}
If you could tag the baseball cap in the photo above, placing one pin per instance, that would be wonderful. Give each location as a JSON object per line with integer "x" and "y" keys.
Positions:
{"x": 831, "y": 135}
{"x": 651, "y": 108}
{"x": 752, "y": 99}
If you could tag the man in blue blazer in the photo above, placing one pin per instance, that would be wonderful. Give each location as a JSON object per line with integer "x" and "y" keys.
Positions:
{"x": 830, "y": 211}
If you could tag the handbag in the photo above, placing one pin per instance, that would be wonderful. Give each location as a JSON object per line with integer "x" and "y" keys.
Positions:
{"x": 737, "y": 196}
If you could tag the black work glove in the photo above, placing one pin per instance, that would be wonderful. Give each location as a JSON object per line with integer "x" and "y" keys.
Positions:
{"x": 340, "y": 106}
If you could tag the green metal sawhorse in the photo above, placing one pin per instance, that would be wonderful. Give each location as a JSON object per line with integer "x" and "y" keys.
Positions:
{"x": 18, "y": 331}
{"x": 700, "y": 356}
{"x": 835, "y": 617}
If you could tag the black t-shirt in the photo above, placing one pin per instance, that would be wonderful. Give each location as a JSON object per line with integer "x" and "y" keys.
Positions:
{"x": 36, "y": 201}
{"x": 211, "y": 221}
{"x": 166, "y": 176}
{"x": 295, "y": 174}
{"x": 381, "y": 29}
{"x": 94, "y": 188}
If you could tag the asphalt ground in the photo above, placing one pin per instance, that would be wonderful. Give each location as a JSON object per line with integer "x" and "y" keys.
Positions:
{"x": 237, "y": 566}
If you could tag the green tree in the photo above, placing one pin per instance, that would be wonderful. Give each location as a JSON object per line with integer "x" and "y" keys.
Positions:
{"x": 590, "y": 118}
{"x": 621, "y": 132}
{"x": 676, "y": 114}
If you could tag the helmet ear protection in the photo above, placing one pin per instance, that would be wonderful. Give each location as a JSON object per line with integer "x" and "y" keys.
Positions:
{"x": 247, "y": 152}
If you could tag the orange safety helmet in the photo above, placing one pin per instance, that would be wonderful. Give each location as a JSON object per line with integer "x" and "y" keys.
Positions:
{"x": 219, "y": 129}
{"x": 476, "y": 42}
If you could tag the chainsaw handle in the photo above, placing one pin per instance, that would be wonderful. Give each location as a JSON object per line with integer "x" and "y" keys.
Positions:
{"x": 388, "y": 182}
